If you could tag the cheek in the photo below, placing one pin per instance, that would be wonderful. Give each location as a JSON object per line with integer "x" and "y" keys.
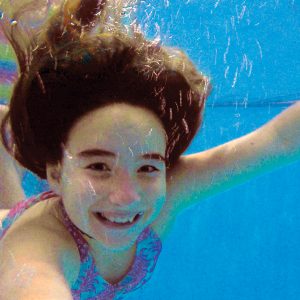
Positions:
{"x": 162, "y": 194}
{"x": 156, "y": 194}
{"x": 80, "y": 187}
{"x": 76, "y": 181}
{"x": 155, "y": 208}
{"x": 162, "y": 189}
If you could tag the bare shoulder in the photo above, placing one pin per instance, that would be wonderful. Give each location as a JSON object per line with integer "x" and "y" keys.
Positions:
{"x": 38, "y": 237}
{"x": 33, "y": 228}
{"x": 30, "y": 264}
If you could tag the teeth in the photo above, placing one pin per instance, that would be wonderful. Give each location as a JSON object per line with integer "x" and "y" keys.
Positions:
{"x": 120, "y": 220}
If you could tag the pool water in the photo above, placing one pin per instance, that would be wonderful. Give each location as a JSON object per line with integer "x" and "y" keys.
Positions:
{"x": 243, "y": 243}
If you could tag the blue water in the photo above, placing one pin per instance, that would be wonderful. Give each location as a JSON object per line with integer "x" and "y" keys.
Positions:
{"x": 243, "y": 243}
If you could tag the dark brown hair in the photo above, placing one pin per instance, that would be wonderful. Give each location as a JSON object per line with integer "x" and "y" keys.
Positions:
{"x": 80, "y": 60}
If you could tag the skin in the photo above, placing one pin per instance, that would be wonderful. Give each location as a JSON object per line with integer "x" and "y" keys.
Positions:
{"x": 127, "y": 131}
{"x": 122, "y": 182}
{"x": 193, "y": 178}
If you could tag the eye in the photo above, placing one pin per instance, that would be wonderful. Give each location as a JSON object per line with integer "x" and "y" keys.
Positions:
{"x": 151, "y": 168}
{"x": 98, "y": 167}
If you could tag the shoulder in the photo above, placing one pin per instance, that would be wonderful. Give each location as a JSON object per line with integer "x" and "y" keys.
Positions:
{"x": 66, "y": 249}
{"x": 68, "y": 254}
{"x": 37, "y": 235}
{"x": 28, "y": 243}
{"x": 36, "y": 221}
{"x": 30, "y": 263}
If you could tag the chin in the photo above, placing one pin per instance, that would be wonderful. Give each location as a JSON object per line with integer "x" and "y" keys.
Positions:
{"x": 118, "y": 245}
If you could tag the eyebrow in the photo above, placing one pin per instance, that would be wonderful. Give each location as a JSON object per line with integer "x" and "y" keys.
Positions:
{"x": 101, "y": 152}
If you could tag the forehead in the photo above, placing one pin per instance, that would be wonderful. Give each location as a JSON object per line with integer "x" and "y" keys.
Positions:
{"x": 116, "y": 126}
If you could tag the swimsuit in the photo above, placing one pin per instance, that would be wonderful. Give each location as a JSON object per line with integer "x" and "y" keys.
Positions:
{"x": 89, "y": 284}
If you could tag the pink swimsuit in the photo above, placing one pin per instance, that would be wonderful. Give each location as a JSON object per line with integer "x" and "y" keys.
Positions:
{"x": 89, "y": 284}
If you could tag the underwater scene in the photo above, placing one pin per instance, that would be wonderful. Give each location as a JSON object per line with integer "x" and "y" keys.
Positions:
{"x": 243, "y": 243}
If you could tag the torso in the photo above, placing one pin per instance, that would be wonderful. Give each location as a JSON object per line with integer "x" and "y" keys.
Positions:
{"x": 44, "y": 214}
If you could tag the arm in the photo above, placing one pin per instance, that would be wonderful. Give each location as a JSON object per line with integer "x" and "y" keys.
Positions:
{"x": 10, "y": 172}
{"x": 30, "y": 267}
{"x": 208, "y": 173}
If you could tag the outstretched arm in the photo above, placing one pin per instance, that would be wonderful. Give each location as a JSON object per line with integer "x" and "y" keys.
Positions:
{"x": 11, "y": 190}
{"x": 208, "y": 173}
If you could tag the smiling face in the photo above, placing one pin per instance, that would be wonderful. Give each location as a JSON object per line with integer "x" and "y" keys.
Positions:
{"x": 113, "y": 174}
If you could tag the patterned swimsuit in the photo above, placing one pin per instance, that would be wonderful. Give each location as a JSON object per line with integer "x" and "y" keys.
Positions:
{"x": 89, "y": 284}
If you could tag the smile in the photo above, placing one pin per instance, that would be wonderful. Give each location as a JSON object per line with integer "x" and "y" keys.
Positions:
{"x": 118, "y": 222}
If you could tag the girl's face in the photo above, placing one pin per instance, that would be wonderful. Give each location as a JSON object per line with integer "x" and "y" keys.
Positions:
{"x": 113, "y": 173}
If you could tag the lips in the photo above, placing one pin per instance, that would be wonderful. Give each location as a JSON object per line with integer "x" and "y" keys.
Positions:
{"x": 118, "y": 219}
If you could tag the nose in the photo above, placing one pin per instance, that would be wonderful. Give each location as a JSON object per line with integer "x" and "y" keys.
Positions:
{"x": 124, "y": 193}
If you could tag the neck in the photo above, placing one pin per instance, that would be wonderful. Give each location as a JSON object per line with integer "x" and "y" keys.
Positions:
{"x": 112, "y": 264}
{"x": 108, "y": 254}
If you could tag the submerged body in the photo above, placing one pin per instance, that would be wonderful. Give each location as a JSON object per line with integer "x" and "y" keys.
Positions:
{"x": 85, "y": 277}
{"x": 41, "y": 229}
{"x": 105, "y": 118}
{"x": 132, "y": 183}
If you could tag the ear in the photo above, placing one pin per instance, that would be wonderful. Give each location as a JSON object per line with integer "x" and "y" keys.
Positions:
{"x": 54, "y": 177}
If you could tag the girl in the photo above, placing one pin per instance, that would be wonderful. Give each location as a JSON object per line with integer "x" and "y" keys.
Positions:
{"x": 104, "y": 115}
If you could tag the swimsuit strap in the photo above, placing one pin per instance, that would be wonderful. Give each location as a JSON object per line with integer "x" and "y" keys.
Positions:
{"x": 20, "y": 207}
{"x": 82, "y": 244}
{"x": 89, "y": 284}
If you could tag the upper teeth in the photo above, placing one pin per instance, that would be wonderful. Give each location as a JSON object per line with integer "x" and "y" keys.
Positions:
{"x": 120, "y": 220}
